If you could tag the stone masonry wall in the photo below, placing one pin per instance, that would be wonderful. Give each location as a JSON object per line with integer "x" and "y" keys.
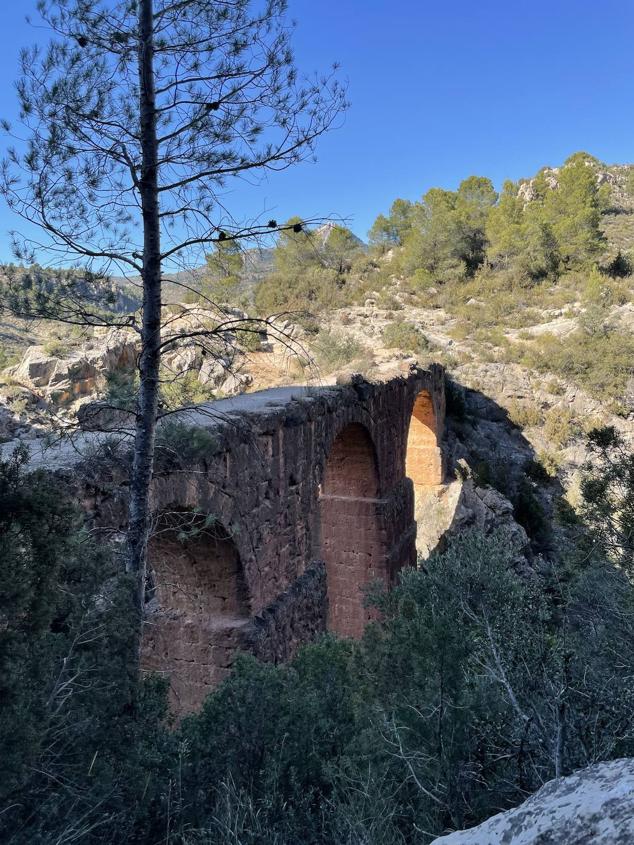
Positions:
{"x": 318, "y": 475}
{"x": 292, "y": 619}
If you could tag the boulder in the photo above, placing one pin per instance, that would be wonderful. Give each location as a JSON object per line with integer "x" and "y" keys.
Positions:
{"x": 83, "y": 373}
{"x": 114, "y": 351}
{"x": 183, "y": 359}
{"x": 213, "y": 371}
{"x": 235, "y": 383}
{"x": 435, "y": 509}
{"x": 36, "y": 367}
{"x": 594, "y": 806}
{"x": 487, "y": 510}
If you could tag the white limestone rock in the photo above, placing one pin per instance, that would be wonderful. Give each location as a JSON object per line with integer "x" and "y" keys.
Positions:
{"x": 594, "y": 806}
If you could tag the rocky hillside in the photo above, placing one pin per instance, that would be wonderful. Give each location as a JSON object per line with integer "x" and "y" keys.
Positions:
{"x": 540, "y": 360}
{"x": 514, "y": 624}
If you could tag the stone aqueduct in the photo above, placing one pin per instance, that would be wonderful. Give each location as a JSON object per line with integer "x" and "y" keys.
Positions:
{"x": 304, "y": 497}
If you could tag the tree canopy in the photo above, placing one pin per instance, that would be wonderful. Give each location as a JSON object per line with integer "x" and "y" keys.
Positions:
{"x": 311, "y": 267}
{"x": 536, "y": 227}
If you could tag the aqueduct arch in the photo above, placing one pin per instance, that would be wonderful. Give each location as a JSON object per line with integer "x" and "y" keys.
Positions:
{"x": 197, "y": 605}
{"x": 423, "y": 463}
{"x": 352, "y": 544}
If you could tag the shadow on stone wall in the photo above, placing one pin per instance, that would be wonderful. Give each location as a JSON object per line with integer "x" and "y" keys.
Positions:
{"x": 494, "y": 479}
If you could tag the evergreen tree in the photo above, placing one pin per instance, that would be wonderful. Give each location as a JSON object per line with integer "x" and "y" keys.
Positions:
{"x": 573, "y": 210}
{"x": 504, "y": 227}
{"x": 608, "y": 495}
{"x": 223, "y": 271}
{"x": 77, "y": 733}
{"x": 474, "y": 200}
{"x": 340, "y": 248}
{"x": 297, "y": 248}
{"x": 136, "y": 116}
{"x": 391, "y": 231}
{"x": 431, "y": 242}
{"x": 540, "y": 256}
{"x": 447, "y": 236}
{"x": 520, "y": 235}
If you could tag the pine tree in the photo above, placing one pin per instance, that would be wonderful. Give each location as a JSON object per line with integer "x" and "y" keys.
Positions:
{"x": 136, "y": 116}
{"x": 387, "y": 232}
{"x": 224, "y": 267}
{"x": 573, "y": 209}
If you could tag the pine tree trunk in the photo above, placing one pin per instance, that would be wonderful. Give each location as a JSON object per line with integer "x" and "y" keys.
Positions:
{"x": 139, "y": 515}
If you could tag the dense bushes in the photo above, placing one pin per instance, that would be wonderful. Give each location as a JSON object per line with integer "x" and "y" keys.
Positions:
{"x": 406, "y": 337}
{"x": 331, "y": 351}
{"x": 78, "y": 737}
{"x": 478, "y": 685}
{"x": 311, "y": 270}
{"x": 608, "y": 495}
{"x": 502, "y": 263}
{"x": 600, "y": 362}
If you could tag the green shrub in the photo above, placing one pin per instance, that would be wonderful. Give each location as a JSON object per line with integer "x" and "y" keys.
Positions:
{"x": 406, "y": 337}
{"x": 56, "y": 347}
{"x": 332, "y": 350}
{"x": 250, "y": 338}
{"x": 600, "y": 363}
{"x": 550, "y": 462}
{"x": 524, "y": 414}
{"x": 560, "y": 426}
{"x": 536, "y": 470}
{"x": 8, "y": 356}
{"x": 555, "y": 387}
{"x": 619, "y": 266}
{"x": 492, "y": 335}
{"x": 312, "y": 289}
{"x": 564, "y": 513}
{"x": 79, "y": 738}
{"x": 607, "y": 493}
{"x": 493, "y": 474}
{"x": 460, "y": 331}
{"x": 181, "y": 444}
{"x": 176, "y": 390}
{"x": 183, "y": 390}
{"x": 122, "y": 388}
{"x": 389, "y": 302}
{"x": 529, "y": 512}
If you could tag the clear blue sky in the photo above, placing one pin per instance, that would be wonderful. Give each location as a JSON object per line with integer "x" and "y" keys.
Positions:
{"x": 439, "y": 90}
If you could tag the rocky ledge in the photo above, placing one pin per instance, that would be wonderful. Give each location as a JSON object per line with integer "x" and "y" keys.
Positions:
{"x": 594, "y": 806}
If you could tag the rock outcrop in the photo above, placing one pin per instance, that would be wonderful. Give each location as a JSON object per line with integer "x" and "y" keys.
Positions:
{"x": 48, "y": 382}
{"x": 594, "y": 806}
{"x": 461, "y": 505}
{"x": 61, "y": 380}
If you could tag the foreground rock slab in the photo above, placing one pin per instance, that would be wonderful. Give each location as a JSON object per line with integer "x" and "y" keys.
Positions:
{"x": 594, "y": 806}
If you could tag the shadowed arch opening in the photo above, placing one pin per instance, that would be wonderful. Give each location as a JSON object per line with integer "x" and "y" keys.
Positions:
{"x": 352, "y": 543}
{"x": 351, "y": 467}
{"x": 196, "y": 605}
{"x": 424, "y": 460}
